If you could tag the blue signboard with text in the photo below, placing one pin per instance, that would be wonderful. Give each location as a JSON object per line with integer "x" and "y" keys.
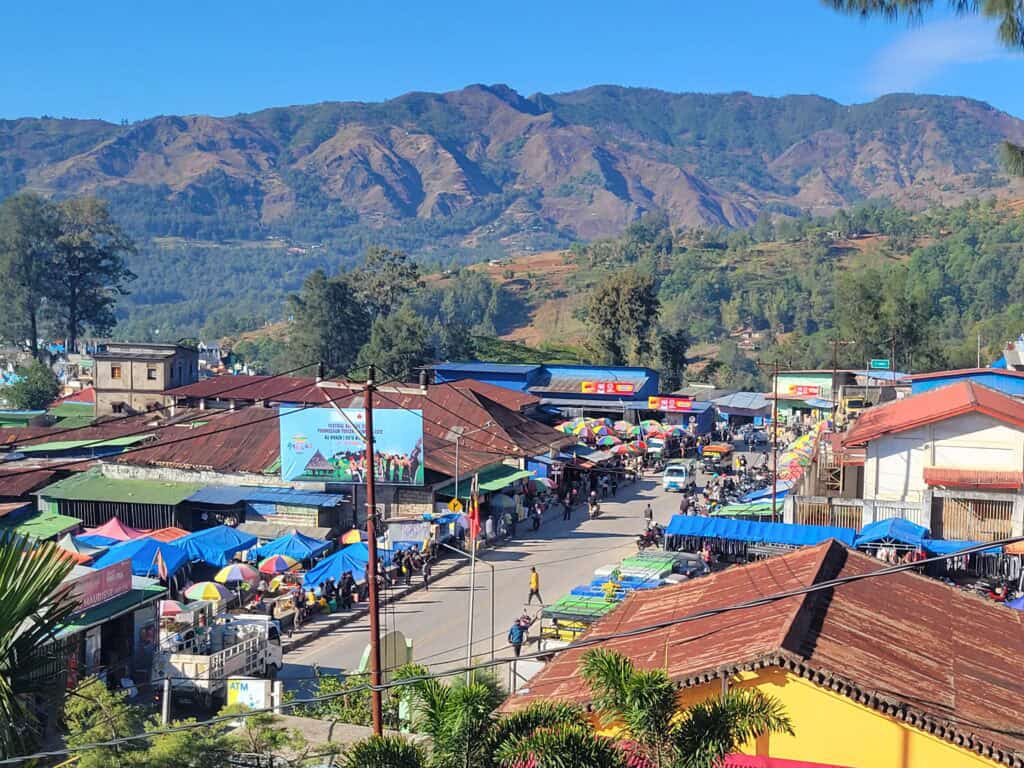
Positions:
{"x": 327, "y": 445}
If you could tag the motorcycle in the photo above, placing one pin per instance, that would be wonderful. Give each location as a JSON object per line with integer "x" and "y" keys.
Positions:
{"x": 594, "y": 509}
{"x": 651, "y": 538}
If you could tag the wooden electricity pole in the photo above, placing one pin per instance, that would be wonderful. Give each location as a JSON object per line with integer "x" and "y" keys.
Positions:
{"x": 376, "y": 704}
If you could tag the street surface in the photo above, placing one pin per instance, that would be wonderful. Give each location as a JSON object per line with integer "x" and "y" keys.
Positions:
{"x": 565, "y": 553}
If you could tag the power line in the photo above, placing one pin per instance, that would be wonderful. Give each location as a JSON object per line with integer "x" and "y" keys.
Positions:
{"x": 582, "y": 643}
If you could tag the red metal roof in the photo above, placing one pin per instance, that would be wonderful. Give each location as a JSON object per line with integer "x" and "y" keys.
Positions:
{"x": 253, "y": 443}
{"x": 84, "y": 396}
{"x": 966, "y": 372}
{"x": 913, "y": 647}
{"x": 278, "y": 389}
{"x": 17, "y": 482}
{"x": 977, "y": 479}
{"x": 935, "y": 405}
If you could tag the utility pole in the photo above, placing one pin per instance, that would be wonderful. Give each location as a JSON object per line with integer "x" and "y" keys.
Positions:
{"x": 774, "y": 367}
{"x": 836, "y": 343}
{"x": 472, "y": 583}
{"x": 376, "y": 705}
{"x": 979, "y": 351}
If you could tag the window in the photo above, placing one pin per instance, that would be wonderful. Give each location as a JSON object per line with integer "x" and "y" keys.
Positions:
{"x": 150, "y": 373}
{"x": 115, "y": 371}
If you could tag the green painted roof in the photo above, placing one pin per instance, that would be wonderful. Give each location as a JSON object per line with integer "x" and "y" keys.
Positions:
{"x": 70, "y": 445}
{"x": 575, "y": 608}
{"x": 103, "y": 612}
{"x": 93, "y": 486}
{"x": 42, "y": 526}
{"x": 73, "y": 415}
{"x": 491, "y": 479}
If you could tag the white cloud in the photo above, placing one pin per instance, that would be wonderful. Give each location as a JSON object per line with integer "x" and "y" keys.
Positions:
{"x": 926, "y": 51}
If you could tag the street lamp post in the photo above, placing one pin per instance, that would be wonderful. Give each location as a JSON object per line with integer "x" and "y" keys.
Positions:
{"x": 457, "y": 439}
{"x": 491, "y": 566}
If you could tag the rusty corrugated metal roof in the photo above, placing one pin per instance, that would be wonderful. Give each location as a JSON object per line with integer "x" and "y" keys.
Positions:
{"x": 911, "y": 646}
{"x": 977, "y": 479}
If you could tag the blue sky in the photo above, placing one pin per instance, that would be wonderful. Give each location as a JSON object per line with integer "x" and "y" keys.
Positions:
{"x": 116, "y": 59}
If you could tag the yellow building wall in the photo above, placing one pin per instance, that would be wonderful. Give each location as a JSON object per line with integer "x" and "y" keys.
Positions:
{"x": 830, "y": 728}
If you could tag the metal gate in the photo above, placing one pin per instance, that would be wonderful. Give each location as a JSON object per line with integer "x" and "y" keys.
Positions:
{"x": 971, "y": 519}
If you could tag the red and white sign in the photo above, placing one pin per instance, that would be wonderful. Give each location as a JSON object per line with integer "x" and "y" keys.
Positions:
{"x": 607, "y": 388}
{"x": 674, "y": 404}
{"x": 804, "y": 390}
{"x": 102, "y": 585}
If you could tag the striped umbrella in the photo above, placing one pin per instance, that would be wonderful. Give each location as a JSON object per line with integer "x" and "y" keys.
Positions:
{"x": 651, "y": 424}
{"x": 622, "y": 427}
{"x": 278, "y": 564}
{"x": 236, "y": 573}
{"x": 170, "y": 608}
{"x": 621, "y": 449}
{"x": 208, "y": 590}
{"x": 608, "y": 440}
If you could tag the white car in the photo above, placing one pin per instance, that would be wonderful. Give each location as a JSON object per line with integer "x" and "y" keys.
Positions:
{"x": 677, "y": 477}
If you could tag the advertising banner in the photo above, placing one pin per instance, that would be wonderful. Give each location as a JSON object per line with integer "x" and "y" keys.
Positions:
{"x": 327, "y": 445}
{"x": 804, "y": 390}
{"x": 102, "y": 585}
{"x": 674, "y": 404}
{"x": 607, "y": 388}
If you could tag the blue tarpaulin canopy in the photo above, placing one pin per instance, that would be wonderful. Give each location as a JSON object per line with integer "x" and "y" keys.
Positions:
{"x": 95, "y": 540}
{"x": 948, "y": 547}
{"x": 295, "y": 544}
{"x": 892, "y": 529}
{"x": 781, "y": 489}
{"x": 756, "y": 532}
{"x": 143, "y": 554}
{"x": 352, "y": 558}
{"x": 215, "y": 545}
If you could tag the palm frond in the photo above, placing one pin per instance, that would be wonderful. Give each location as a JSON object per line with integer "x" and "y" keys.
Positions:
{"x": 384, "y": 752}
{"x": 650, "y": 704}
{"x": 608, "y": 674}
{"x": 430, "y": 705}
{"x": 33, "y": 606}
{"x": 712, "y": 729}
{"x": 564, "y": 746}
{"x": 537, "y": 716}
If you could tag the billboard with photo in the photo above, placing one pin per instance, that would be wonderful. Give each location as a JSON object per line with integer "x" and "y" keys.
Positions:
{"x": 327, "y": 445}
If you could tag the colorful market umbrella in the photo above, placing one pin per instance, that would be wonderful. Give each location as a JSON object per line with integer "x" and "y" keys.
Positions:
{"x": 636, "y": 431}
{"x": 622, "y": 427}
{"x": 651, "y": 424}
{"x": 544, "y": 482}
{"x": 608, "y": 440}
{"x": 565, "y": 426}
{"x": 170, "y": 608}
{"x": 621, "y": 449}
{"x": 278, "y": 564}
{"x": 352, "y": 537}
{"x": 236, "y": 573}
{"x": 639, "y": 445}
{"x": 208, "y": 590}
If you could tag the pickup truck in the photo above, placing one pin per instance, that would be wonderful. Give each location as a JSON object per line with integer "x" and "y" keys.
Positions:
{"x": 199, "y": 661}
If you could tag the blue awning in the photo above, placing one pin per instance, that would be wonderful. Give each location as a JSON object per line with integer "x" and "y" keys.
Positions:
{"x": 892, "y": 529}
{"x": 781, "y": 489}
{"x": 755, "y": 532}
{"x": 296, "y": 545}
{"x": 352, "y": 558}
{"x": 143, "y": 554}
{"x": 215, "y": 545}
{"x": 948, "y": 547}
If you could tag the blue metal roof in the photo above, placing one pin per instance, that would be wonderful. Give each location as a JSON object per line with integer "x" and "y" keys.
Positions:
{"x": 881, "y": 375}
{"x": 230, "y": 495}
{"x": 482, "y": 367}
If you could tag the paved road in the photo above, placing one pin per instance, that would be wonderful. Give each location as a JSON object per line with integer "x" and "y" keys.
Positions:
{"x": 564, "y": 553}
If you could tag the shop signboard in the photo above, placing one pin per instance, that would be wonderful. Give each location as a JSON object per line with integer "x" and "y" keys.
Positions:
{"x": 673, "y": 404}
{"x": 607, "y": 388}
{"x": 880, "y": 365}
{"x": 804, "y": 390}
{"x": 250, "y": 692}
{"x": 327, "y": 445}
{"x": 102, "y": 584}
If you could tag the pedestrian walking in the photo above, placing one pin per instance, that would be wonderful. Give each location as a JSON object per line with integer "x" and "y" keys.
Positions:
{"x": 648, "y": 516}
{"x": 566, "y": 509}
{"x": 534, "y": 587}
{"x": 426, "y": 575}
{"x": 516, "y": 637}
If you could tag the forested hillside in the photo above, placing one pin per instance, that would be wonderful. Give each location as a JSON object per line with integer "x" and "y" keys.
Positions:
{"x": 232, "y": 212}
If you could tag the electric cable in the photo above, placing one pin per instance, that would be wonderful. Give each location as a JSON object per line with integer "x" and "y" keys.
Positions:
{"x": 575, "y": 645}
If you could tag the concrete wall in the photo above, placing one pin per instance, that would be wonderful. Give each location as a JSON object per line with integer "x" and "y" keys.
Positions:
{"x": 894, "y": 468}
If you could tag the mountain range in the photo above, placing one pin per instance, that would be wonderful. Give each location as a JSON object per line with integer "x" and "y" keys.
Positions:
{"x": 486, "y": 165}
